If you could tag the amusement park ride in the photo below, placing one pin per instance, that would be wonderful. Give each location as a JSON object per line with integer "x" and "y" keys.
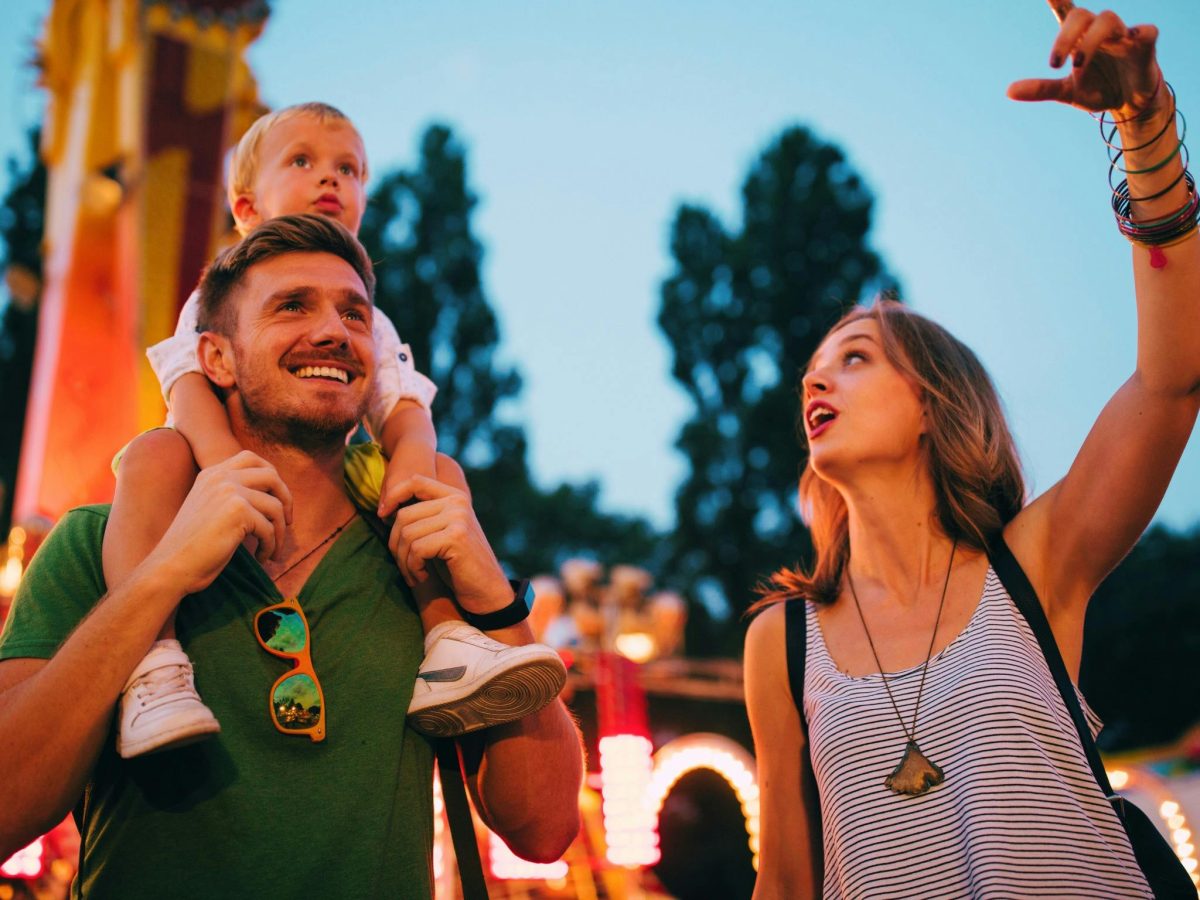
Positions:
{"x": 144, "y": 97}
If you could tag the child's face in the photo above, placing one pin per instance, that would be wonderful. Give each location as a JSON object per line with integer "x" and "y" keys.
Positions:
{"x": 307, "y": 165}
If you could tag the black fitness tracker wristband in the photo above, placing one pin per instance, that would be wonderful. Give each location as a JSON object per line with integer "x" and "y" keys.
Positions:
{"x": 517, "y": 611}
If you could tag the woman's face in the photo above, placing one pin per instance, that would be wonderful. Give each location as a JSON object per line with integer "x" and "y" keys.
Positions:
{"x": 859, "y": 409}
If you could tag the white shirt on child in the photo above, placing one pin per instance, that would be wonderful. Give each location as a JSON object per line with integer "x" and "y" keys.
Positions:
{"x": 396, "y": 378}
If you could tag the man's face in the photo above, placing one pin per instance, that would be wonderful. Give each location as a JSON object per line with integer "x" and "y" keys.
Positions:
{"x": 303, "y": 351}
{"x": 307, "y": 165}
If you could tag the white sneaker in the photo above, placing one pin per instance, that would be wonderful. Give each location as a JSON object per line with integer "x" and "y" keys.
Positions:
{"x": 468, "y": 681}
{"x": 160, "y": 708}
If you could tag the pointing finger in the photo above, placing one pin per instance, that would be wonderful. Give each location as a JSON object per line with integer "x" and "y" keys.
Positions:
{"x": 1038, "y": 89}
{"x": 1060, "y": 8}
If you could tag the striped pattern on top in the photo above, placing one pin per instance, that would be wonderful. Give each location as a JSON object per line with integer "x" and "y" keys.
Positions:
{"x": 1019, "y": 814}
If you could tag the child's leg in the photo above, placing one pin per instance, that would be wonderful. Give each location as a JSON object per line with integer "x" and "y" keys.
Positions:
{"x": 468, "y": 680}
{"x": 155, "y": 474}
{"x": 159, "y": 706}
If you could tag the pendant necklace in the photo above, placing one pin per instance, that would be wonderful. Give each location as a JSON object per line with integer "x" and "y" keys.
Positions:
{"x": 915, "y": 773}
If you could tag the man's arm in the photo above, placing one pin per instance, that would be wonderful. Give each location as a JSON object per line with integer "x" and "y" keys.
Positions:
{"x": 524, "y": 776}
{"x": 55, "y": 714}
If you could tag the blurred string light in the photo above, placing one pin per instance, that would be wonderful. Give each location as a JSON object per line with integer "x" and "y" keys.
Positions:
{"x": 630, "y": 825}
{"x": 14, "y": 564}
{"x": 439, "y": 828}
{"x": 27, "y": 863}
{"x": 507, "y": 865}
{"x": 1181, "y": 836}
{"x": 1178, "y": 831}
{"x": 727, "y": 758}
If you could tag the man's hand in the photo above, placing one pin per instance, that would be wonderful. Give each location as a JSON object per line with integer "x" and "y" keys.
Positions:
{"x": 243, "y": 496}
{"x": 441, "y": 526}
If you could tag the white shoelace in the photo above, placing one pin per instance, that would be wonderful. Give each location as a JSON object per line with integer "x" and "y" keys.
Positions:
{"x": 163, "y": 683}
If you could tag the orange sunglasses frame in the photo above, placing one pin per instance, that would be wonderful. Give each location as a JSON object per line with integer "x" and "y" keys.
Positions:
{"x": 303, "y": 666}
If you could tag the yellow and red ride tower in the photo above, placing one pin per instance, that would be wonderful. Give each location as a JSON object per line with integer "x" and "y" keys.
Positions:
{"x": 144, "y": 99}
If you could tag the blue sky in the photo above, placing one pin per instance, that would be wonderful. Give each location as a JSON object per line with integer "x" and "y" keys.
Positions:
{"x": 587, "y": 124}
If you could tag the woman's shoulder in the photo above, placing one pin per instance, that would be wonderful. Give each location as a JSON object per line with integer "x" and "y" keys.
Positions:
{"x": 766, "y": 647}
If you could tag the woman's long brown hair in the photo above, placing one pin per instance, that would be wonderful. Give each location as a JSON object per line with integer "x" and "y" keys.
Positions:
{"x": 971, "y": 455}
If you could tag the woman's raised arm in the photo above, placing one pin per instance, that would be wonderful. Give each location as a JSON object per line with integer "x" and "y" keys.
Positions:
{"x": 1073, "y": 535}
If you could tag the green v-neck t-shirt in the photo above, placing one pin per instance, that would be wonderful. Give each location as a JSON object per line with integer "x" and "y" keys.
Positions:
{"x": 253, "y": 812}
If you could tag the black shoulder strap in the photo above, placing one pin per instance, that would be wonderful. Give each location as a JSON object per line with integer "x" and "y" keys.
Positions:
{"x": 796, "y": 630}
{"x": 1013, "y": 577}
{"x": 462, "y": 831}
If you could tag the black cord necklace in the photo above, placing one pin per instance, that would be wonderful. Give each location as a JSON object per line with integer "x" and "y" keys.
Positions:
{"x": 329, "y": 537}
{"x": 915, "y": 773}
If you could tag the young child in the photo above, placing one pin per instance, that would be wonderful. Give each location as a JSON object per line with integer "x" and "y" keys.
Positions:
{"x": 307, "y": 158}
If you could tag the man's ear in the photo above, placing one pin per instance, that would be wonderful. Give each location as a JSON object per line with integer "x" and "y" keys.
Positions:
{"x": 216, "y": 359}
{"x": 245, "y": 212}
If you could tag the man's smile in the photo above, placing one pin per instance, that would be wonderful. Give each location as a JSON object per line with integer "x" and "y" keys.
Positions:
{"x": 335, "y": 373}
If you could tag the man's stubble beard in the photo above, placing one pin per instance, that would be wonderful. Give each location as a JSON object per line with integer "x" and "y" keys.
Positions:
{"x": 308, "y": 427}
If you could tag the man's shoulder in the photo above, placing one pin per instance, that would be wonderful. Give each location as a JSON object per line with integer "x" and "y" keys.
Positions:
{"x": 64, "y": 580}
{"x": 90, "y": 510}
{"x": 78, "y": 530}
{"x": 84, "y": 519}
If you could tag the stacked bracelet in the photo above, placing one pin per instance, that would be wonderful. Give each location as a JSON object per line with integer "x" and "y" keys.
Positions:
{"x": 1167, "y": 230}
{"x": 1160, "y": 232}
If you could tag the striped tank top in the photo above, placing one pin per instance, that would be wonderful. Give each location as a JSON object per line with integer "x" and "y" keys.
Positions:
{"x": 1019, "y": 814}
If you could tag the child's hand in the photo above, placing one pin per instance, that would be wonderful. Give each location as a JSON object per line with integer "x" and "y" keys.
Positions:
{"x": 409, "y": 459}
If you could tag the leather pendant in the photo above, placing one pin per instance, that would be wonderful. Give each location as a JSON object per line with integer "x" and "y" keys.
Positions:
{"x": 915, "y": 774}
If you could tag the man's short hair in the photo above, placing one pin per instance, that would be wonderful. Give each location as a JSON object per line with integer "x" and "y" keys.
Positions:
{"x": 275, "y": 237}
{"x": 243, "y": 161}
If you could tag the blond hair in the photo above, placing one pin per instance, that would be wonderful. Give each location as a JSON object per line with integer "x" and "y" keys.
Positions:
{"x": 243, "y": 161}
{"x": 971, "y": 455}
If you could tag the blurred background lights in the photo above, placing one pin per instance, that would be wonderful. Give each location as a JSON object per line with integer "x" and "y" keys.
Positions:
{"x": 720, "y": 754}
{"x": 26, "y": 863}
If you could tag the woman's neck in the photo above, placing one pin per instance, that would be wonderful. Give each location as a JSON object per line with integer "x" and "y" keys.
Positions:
{"x": 896, "y": 541}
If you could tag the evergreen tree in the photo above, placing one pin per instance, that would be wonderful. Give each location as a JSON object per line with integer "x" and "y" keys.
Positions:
{"x": 743, "y": 312}
{"x": 1141, "y": 649}
{"x": 417, "y": 228}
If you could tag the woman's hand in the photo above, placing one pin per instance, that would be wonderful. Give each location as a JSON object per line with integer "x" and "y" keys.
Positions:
{"x": 1112, "y": 66}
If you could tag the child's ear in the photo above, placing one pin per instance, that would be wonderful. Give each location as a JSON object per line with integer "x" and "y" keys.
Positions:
{"x": 216, "y": 359}
{"x": 245, "y": 213}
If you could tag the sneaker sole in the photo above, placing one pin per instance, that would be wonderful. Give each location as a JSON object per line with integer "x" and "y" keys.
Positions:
{"x": 511, "y": 695}
{"x": 178, "y": 737}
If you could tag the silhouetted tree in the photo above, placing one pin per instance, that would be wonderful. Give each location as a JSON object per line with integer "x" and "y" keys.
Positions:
{"x": 418, "y": 230}
{"x": 1141, "y": 651}
{"x": 743, "y": 310}
{"x": 22, "y": 217}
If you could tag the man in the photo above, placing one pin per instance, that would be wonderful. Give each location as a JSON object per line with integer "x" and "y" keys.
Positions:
{"x": 318, "y": 789}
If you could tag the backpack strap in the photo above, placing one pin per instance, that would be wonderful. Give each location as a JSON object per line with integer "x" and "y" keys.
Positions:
{"x": 1016, "y": 582}
{"x": 462, "y": 828}
{"x": 796, "y": 633}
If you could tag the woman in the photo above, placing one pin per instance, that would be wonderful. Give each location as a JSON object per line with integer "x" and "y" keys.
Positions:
{"x": 959, "y": 772}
